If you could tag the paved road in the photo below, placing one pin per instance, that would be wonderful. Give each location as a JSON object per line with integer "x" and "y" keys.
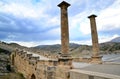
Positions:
{"x": 107, "y": 70}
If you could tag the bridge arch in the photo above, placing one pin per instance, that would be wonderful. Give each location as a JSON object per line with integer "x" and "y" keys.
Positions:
{"x": 33, "y": 76}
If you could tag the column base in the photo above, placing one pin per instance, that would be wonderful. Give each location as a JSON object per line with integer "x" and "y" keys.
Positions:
{"x": 65, "y": 61}
{"x": 65, "y": 55}
{"x": 96, "y": 60}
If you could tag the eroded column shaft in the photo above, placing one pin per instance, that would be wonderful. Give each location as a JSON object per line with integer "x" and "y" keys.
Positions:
{"x": 64, "y": 28}
{"x": 94, "y": 35}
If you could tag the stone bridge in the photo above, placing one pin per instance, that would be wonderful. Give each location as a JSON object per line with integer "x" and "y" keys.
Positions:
{"x": 34, "y": 66}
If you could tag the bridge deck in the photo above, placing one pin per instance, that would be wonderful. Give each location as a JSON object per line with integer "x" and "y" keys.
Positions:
{"x": 37, "y": 55}
{"x": 110, "y": 69}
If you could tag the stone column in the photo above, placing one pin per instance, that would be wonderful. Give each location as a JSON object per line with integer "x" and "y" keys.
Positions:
{"x": 65, "y": 58}
{"x": 64, "y": 28}
{"x": 96, "y": 58}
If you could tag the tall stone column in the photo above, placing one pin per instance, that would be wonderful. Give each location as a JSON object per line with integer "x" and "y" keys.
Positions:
{"x": 96, "y": 58}
{"x": 64, "y": 29}
{"x": 65, "y": 56}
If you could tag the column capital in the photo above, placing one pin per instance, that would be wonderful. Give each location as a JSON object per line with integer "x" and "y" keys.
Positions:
{"x": 63, "y": 3}
{"x": 92, "y": 16}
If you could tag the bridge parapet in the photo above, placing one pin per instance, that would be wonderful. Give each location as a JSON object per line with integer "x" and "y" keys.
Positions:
{"x": 23, "y": 54}
{"x": 28, "y": 56}
{"x": 33, "y": 60}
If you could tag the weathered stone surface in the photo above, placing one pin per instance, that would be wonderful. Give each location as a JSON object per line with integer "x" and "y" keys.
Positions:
{"x": 41, "y": 69}
{"x": 64, "y": 28}
{"x": 65, "y": 56}
{"x": 62, "y": 72}
{"x": 95, "y": 55}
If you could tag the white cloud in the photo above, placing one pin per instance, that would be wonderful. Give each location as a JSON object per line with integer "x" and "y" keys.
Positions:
{"x": 107, "y": 38}
{"x": 85, "y": 28}
{"x": 84, "y": 42}
{"x": 51, "y": 42}
{"x": 54, "y": 32}
{"x": 1, "y": 4}
{"x": 52, "y": 21}
{"x": 32, "y": 44}
{"x": 25, "y": 9}
{"x": 102, "y": 39}
{"x": 27, "y": 44}
{"x": 44, "y": 15}
{"x": 109, "y": 18}
{"x": 19, "y": 10}
{"x": 81, "y": 22}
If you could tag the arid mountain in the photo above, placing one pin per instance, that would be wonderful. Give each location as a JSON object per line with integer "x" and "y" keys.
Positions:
{"x": 81, "y": 51}
{"x": 75, "y": 49}
{"x": 17, "y": 45}
{"x": 110, "y": 46}
{"x": 55, "y": 48}
{"x": 116, "y": 40}
{"x": 107, "y": 47}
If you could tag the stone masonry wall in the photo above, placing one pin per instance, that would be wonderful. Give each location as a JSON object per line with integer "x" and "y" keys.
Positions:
{"x": 31, "y": 66}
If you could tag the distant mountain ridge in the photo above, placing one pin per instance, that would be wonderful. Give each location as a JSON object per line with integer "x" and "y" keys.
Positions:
{"x": 55, "y": 47}
{"x": 117, "y": 39}
{"x": 112, "y": 46}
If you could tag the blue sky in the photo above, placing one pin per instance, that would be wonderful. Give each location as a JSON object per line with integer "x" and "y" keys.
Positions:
{"x": 37, "y": 22}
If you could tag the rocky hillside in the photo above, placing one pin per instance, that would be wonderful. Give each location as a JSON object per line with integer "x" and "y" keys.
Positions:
{"x": 108, "y": 47}
{"x": 82, "y": 50}
{"x": 112, "y": 46}
{"x": 4, "y": 61}
{"x": 6, "y": 72}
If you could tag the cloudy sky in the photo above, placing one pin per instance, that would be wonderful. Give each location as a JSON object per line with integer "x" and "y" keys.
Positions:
{"x": 37, "y": 22}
